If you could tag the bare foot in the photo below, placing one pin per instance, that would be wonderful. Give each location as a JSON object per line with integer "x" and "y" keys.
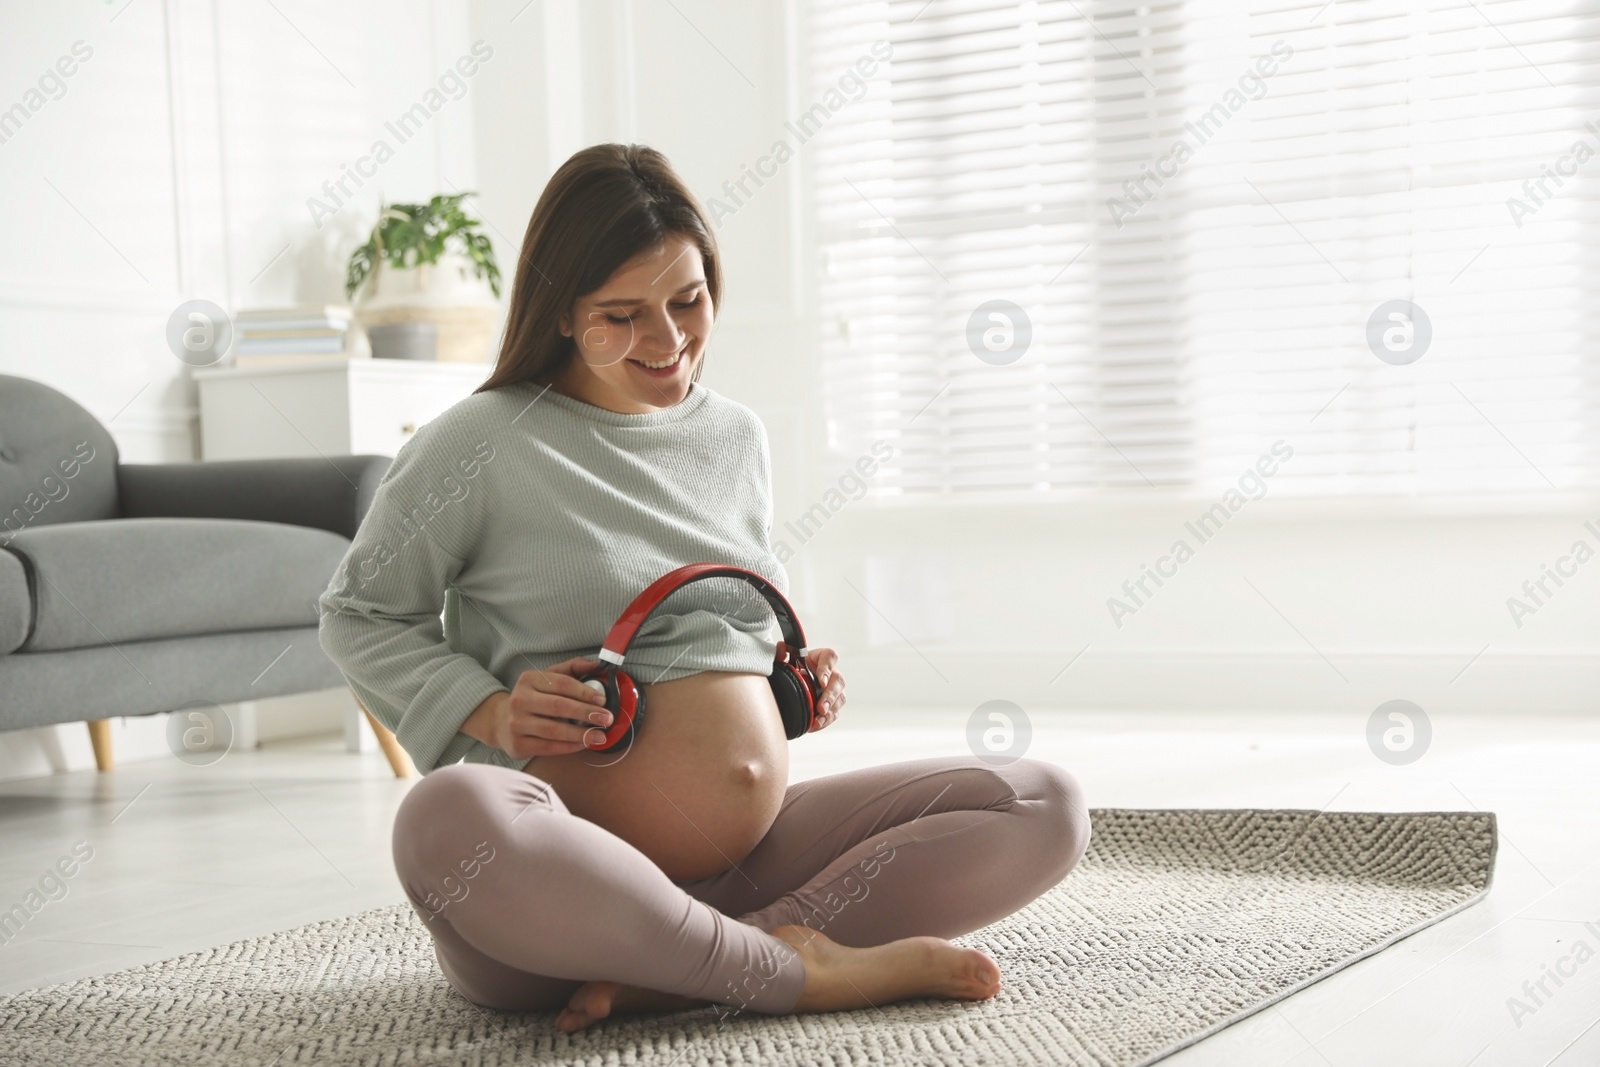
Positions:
{"x": 594, "y": 1001}
{"x": 839, "y": 978}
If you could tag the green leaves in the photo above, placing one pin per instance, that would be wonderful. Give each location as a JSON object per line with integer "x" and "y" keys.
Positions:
{"x": 407, "y": 235}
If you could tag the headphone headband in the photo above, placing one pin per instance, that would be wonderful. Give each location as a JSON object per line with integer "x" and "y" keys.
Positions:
{"x": 645, "y": 604}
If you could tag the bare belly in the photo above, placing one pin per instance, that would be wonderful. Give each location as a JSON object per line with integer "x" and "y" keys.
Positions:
{"x": 700, "y": 785}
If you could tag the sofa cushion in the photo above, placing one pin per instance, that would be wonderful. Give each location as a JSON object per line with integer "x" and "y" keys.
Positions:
{"x": 16, "y": 606}
{"x": 57, "y": 463}
{"x": 142, "y": 579}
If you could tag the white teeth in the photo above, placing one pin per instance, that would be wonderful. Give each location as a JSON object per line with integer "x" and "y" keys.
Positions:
{"x": 663, "y": 365}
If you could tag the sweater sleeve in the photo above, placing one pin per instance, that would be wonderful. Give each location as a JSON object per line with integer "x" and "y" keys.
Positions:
{"x": 381, "y": 613}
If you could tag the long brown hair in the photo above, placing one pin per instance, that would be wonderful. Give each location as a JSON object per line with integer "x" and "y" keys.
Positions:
{"x": 605, "y": 205}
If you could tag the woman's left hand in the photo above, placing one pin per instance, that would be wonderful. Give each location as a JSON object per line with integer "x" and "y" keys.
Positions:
{"x": 824, "y": 664}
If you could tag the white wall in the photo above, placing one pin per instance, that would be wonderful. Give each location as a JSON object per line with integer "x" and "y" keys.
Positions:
{"x": 673, "y": 76}
{"x": 1289, "y": 606}
{"x": 192, "y": 139}
{"x": 1399, "y": 597}
{"x": 178, "y": 164}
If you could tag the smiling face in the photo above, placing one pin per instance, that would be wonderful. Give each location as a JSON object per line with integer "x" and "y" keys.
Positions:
{"x": 641, "y": 335}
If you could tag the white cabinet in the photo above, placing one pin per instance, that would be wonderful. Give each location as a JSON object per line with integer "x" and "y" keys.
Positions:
{"x": 337, "y": 408}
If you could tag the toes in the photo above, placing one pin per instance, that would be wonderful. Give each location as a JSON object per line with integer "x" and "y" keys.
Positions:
{"x": 571, "y": 1020}
{"x": 588, "y": 1004}
{"x": 984, "y": 975}
{"x": 973, "y": 977}
{"x": 594, "y": 1001}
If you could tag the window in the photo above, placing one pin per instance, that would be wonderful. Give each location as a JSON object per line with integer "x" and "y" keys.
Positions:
{"x": 1206, "y": 220}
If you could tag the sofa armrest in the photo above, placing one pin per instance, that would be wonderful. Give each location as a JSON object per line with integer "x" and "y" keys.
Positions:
{"x": 327, "y": 494}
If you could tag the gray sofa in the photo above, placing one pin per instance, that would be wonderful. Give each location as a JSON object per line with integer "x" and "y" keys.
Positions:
{"x": 128, "y": 589}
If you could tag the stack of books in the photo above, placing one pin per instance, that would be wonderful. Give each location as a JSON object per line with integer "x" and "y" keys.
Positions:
{"x": 292, "y": 335}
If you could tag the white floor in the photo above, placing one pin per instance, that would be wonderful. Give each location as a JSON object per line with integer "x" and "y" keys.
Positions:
{"x": 187, "y": 857}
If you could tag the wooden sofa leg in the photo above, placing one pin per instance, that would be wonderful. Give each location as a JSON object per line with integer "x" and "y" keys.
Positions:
{"x": 399, "y": 761}
{"x": 100, "y": 739}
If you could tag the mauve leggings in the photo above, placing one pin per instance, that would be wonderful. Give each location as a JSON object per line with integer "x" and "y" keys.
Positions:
{"x": 525, "y": 900}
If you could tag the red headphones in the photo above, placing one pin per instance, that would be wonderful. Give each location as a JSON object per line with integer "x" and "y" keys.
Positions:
{"x": 793, "y": 685}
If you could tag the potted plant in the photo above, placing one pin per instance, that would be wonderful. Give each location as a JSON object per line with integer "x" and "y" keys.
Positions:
{"x": 429, "y": 263}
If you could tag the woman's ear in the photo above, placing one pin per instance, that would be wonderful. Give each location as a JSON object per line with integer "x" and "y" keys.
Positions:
{"x": 565, "y": 325}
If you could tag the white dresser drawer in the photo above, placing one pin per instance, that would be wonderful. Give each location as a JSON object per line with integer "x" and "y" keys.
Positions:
{"x": 387, "y": 407}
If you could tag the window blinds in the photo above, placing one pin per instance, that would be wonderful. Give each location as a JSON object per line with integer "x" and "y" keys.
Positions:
{"x": 1198, "y": 213}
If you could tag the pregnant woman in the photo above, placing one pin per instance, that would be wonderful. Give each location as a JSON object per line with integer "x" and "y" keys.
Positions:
{"x": 500, "y": 547}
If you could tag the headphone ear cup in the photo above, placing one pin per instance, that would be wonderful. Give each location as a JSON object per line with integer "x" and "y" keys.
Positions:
{"x": 625, "y": 701}
{"x": 796, "y": 703}
{"x": 627, "y": 707}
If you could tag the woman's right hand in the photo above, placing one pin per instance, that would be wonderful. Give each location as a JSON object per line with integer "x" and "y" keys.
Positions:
{"x": 532, "y": 719}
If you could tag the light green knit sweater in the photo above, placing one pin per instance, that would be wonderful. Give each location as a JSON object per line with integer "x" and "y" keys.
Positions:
{"x": 531, "y": 519}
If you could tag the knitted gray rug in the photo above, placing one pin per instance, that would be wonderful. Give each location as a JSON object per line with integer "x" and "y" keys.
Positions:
{"x": 1176, "y": 924}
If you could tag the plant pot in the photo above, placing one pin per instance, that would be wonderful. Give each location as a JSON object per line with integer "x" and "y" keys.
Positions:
{"x": 447, "y": 294}
{"x": 404, "y": 340}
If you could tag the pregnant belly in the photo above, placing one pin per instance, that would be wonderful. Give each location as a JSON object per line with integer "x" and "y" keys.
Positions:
{"x": 700, "y": 785}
